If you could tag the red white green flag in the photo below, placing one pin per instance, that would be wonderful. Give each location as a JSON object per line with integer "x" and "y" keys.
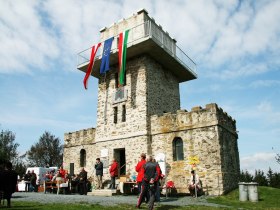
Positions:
{"x": 123, "y": 37}
{"x": 91, "y": 63}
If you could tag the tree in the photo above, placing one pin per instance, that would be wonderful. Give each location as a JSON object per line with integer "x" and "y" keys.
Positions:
{"x": 245, "y": 176}
{"x": 275, "y": 180}
{"x": 277, "y": 158}
{"x": 47, "y": 152}
{"x": 260, "y": 178}
{"x": 269, "y": 176}
{"x": 9, "y": 153}
{"x": 20, "y": 168}
{"x": 8, "y": 147}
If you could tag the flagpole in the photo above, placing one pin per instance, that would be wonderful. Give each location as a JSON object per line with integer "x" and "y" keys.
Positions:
{"x": 195, "y": 190}
{"x": 106, "y": 99}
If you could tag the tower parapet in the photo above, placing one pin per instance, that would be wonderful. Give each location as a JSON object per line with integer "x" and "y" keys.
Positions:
{"x": 145, "y": 37}
{"x": 198, "y": 117}
{"x": 81, "y": 137}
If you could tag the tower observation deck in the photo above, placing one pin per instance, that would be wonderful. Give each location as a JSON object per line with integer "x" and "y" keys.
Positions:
{"x": 145, "y": 37}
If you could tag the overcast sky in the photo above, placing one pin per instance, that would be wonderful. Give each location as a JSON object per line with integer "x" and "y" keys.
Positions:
{"x": 235, "y": 44}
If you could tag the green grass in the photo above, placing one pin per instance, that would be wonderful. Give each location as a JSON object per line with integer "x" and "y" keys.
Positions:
{"x": 269, "y": 198}
{"x": 20, "y": 205}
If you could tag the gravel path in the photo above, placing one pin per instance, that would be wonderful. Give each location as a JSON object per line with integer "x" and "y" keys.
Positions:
{"x": 107, "y": 201}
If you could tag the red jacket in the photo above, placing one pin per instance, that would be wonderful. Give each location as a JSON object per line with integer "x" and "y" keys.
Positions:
{"x": 158, "y": 172}
{"x": 139, "y": 168}
{"x": 114, "y": 169}
{"x": 62, "y": 173}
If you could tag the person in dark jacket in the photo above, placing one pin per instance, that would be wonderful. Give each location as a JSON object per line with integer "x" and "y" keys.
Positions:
{"x": 82, "y": 177}
{"x": 98, "y": 172}
{"x": 27, "y": 177}
{"x": 157, "y": 193}
{"x": 33, "y": 180}
{"x": 149, "y": 183}
{"x": 10, "y": 182}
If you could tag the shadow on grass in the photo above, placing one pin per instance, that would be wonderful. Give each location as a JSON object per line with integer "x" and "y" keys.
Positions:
{"x": 168, "y": 200}
{"x": 25, "y": 207}
{"x": 18, "y": 196}
{"x": 166, "y": 207}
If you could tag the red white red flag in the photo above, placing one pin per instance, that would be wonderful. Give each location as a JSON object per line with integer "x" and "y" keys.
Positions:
{"x": 91, "y": 63}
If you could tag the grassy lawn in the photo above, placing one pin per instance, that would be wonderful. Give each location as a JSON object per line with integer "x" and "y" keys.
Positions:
{"x": 39, "y": 206}
{"x": 269, "y": 198}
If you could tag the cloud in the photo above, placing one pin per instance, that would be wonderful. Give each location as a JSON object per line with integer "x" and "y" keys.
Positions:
{"x": 25, "y": 42}
{"x": 265, "y": 112}
{"x": 259, "y": 161}
{"x": 51, "y": 32}
{"x": 240, "y": 43}
{"x": 264, "y": 83}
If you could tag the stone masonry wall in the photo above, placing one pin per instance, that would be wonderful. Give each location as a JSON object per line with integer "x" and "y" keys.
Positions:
{"x": 146, "y": 82}
{"x": 163, "y": 89}
{"x": 208, "y": 134}
{"x": 133, "y": 148}
{"x": 229, "y": 159}
{"x": 74, "y": 142}
{"x": 200, "y": 132}
{"x": 136, "y": 111}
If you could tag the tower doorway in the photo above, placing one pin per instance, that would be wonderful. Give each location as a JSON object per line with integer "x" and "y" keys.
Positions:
{"x": 119, "y": 155}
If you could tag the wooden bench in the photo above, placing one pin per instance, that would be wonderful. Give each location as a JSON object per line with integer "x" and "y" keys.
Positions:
{"x": 54, "y": 185}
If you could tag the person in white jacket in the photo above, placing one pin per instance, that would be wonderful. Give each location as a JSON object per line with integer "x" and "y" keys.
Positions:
{"x": 194, "y": 184}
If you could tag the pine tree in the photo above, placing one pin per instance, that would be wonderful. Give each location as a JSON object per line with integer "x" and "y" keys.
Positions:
{"x": 275, "y": 180}
{"x": 245, "y": 176}
{"x": 277, "y": 158}
{"x": 47, "y": 152}
{"x": 260, "y": 178}
{"x": 269, "y": 176}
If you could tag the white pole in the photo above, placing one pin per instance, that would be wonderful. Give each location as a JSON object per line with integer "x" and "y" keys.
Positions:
{"x": 195, "y": 190}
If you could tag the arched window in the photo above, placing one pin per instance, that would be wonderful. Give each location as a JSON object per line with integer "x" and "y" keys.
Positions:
{"x": 178, "y": 151}
{"x": 82, "y": 158}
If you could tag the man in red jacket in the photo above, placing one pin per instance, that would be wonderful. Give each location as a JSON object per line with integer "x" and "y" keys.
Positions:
{"x": 62, "y": 172}
{"x": 149, "y": 183}
{"x": 140, "y": 170}
{"x": 113, "y": 173}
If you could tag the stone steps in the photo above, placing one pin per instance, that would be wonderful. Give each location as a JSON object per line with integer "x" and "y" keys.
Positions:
{"x": 103, "y": 192}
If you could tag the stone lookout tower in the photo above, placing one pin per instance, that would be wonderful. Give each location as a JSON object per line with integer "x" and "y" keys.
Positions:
{"x": 144, "y": 115}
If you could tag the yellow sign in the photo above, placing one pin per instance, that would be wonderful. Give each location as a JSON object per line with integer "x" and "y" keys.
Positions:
{"x": 193, "y": 161}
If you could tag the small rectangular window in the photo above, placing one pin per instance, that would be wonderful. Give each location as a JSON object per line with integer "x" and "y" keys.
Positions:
{"x": 123, "y": 113}
{"x": 115, "y": 114}
{"x": 116, "y": 80}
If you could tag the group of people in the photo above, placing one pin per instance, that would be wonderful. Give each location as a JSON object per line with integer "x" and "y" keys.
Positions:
{"x": 30, "y": 179}
{"x": 148, "y": 179}
{"x": 99, "y": 173}
{"x": 149, "y": 174}
{"x": 8, "y": 182}
{"x": 78, "y": 182}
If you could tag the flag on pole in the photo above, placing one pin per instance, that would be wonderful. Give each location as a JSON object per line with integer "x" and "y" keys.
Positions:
{"x": 91, "y": 62}
{"x": 105, "y": 62}
{"x": 122, "y": 55}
